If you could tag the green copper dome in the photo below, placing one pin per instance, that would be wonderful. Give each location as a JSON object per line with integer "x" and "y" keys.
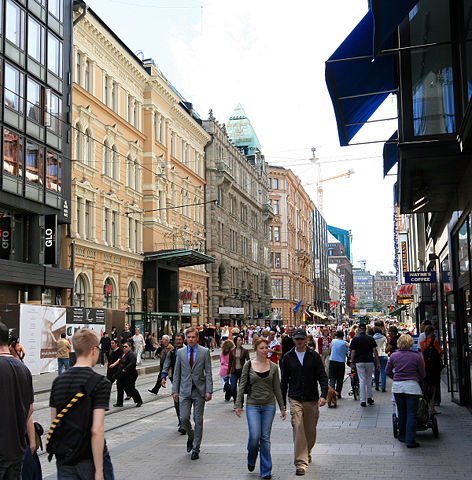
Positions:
{"x": 241, "y": 133}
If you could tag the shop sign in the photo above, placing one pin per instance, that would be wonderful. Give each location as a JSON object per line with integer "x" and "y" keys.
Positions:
{"x": 231, "y": 311}
{"x": 186, "y": 296}
{"x": 195, "y": 308}
{"x": 405, "y": 290}
{"x": 186, "y": 308}
{"x": 405, "y": 300}
{"x": 50, "y": 230}
{"x": 404, "y": 258}
{"x": 82, "y": 315}
{"x": 5, "y": 237}
{"x": 420, "y": 277}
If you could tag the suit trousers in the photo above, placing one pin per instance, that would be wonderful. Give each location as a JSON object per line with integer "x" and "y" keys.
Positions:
{"x": 304, "y": 417}
{"x": 198, "y": 403}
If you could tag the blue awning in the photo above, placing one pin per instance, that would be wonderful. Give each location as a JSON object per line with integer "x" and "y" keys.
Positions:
{"x": 359, "y": 79}
{"x": 390, "y": 153}
{"x": 388, "y": 15}
{"x": 357, "y": 83}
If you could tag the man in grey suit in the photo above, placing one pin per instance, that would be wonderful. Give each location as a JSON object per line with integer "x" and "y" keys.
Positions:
{"x": 192, "y": 385}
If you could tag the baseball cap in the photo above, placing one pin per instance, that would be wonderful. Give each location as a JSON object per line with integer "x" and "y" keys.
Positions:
{"x": 299, "y": 333}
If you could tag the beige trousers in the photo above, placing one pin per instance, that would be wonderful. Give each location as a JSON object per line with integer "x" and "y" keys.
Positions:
{"x": 304, "y": 417}
{"x": 325, "y": 359}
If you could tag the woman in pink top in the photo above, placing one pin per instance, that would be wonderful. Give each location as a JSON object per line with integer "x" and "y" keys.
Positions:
{"x": 226, "y": 348}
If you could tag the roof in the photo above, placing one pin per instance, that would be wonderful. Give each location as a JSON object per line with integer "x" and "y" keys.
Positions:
{"x": 179, "y": 257}
{"x": 241, "y": 132}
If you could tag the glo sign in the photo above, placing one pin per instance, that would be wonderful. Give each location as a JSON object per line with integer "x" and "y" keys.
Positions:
{"x": 5, "y": 237}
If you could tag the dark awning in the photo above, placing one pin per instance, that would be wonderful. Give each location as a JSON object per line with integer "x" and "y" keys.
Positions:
{"x": 357, "y": 82}
{"x": 390, "y": 153}
{"x": 388, "y": 15}
{"x": 398, "y": 310}
{"x": 179, "y": 258}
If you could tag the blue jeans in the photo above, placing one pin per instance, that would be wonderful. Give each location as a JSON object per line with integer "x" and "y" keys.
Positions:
{"x": 381, "y": 373}
{"x": 62, "y": 362}
{"x": 234, "y": 380}
{"x": 85, "y": 470}
{"x": 259, "y": 421}
{"x": 407, "y": 406}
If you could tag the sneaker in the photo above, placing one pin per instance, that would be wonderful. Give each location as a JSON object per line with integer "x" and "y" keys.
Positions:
{"x": 370, "y": 401}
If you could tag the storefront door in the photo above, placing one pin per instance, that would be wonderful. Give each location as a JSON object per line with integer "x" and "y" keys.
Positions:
{"x": 467, "y": 343}
{"x": 452, "y": 348}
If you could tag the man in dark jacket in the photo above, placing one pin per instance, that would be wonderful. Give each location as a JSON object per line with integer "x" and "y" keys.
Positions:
{"x": 126, "y": 377}
{"x": 168, "y": 370}
{"x": 302, "y": 371}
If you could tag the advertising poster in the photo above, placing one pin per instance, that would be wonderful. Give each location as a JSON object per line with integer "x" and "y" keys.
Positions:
{"x": 80, "y": 317}
{"x": 40, "y": 329}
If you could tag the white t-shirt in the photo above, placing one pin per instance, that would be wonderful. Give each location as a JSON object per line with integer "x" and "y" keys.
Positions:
{"x": 300, "y": 355}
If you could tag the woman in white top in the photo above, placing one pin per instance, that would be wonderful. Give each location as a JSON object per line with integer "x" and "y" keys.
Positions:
{"x": 381, "y": 341}
{"x": 139, "y": 344}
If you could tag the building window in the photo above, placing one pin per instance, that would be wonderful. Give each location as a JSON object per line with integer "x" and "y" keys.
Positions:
{"x": 275, "y": 207}
{"x": 36, "y": 40}
{"x": 276, "y": 234}
{"x": 54, "y": 55}
{"x": 56, "y": 7}
{"x": 77, "y": 68}
{"x": 54, "y": 112}
{"x": 106, "y": 233}
{"x": 275, "y": 183}
{"x": 53, "y": 172}
{"x": 87, "y": 76}
{"x": 34, "y": 163}
{"x": 132, "y": 297}
{"x": 12, "y": 153}
{"x": 220, "y": 196}
{"x": 80, "y": 292}
{"x": 15, "y": 24}
{"x": 108, "y": 293}
{"x": 116, "y": 163}
{"x": 33, "y": 100}
{"x": 113, "y": 229}
{"x": 277, "y": 291}
{"x": 277, "y": 262}
{"x": 88, "y": 213}
{"x": 87, "y": 148}
{"x": 14, "y": 88}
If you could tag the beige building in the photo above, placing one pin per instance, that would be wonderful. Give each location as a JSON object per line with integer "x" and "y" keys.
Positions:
{"x": 291, "y": 244}
{"x": 138, "y": 181}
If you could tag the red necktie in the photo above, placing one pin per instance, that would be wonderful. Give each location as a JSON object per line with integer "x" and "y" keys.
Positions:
{"x": 191, "y": 357}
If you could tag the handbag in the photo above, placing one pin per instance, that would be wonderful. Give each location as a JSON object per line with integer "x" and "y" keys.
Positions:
{"x": 227, "y": 389}
{"x": 247, "y": 389}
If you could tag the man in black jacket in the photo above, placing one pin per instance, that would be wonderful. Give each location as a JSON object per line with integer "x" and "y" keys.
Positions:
{"x": 126, "y": 377}
{"x": 302, "y": 371}
{"x": 168, "y": 370}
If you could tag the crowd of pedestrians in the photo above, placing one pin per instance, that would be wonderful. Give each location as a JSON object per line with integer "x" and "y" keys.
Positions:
{"x": 294, "y": 368}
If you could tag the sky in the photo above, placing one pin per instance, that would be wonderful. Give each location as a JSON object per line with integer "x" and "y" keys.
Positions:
{"x": 269, "y": 55}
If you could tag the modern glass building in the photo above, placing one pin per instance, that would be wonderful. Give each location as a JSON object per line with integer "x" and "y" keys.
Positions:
{"x": 35, "y": 56}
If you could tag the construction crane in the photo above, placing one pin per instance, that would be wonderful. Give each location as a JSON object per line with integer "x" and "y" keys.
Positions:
{"x": 320, "y": 181}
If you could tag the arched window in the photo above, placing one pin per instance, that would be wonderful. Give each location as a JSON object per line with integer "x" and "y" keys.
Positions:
{"x": 131, "y": 172}
{"x": 132, "y": 297}
{"x": 116, "y": 163}
{"x": 87, "y": 76}
{"x": 107, "y": 153}
{"x": 108, "y": 293}
{"x": 87, "y": 147}
{"x": 80, "y": 291}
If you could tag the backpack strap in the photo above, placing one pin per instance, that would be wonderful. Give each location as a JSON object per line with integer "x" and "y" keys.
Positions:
{"x": 88, "y": 388}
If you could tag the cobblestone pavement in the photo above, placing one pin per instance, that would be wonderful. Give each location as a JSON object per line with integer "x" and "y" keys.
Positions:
{"x": 352, "y": 443}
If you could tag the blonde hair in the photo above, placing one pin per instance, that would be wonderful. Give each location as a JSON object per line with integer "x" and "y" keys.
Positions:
{"x": 258, "y": 341}
{"x": 83, "y": 341}
{"x": 191, "y": 330}
{"x": 405, "y": 342}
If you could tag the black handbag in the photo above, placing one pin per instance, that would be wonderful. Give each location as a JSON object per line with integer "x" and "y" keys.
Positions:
{"x": 247, "y": 389}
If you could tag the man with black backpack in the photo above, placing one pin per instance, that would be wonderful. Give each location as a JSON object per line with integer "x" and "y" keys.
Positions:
{"x": 78, "y": 401}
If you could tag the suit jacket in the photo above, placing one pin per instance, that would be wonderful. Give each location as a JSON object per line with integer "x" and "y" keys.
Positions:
{"x": 127, "y": 366}
{"x": 199, "y": 375}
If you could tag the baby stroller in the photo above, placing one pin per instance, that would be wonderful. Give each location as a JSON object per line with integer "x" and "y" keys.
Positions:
{"x": 425, "y": 418}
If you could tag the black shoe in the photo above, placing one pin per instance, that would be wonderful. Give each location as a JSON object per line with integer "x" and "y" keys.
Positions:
{"x": 195, "y": 456}
{"x": 128, "y": 398}
{"x": 117, "y": 404}
{"x": 384, "y": 390}
{"x": 370, "y": 401}
{"x": 139, "y": 404}
{"x": 251, "y": 467}
{"x": 377, "y": 389}
{"x": 413, "y": 445}
{"x": 152, "y": 391}
{"x": 363, "y": 404}
{"x": 189, "y": 445}
{"x": 182, "y": 431}
{"x": 300, "y": 472}
{"x": 268, "y": 477}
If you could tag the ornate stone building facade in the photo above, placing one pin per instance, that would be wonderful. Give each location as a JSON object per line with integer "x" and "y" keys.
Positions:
{"x": 138, "y": 181}
{"x": 237, "y": 222}
{"x": 291, "y": 246}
